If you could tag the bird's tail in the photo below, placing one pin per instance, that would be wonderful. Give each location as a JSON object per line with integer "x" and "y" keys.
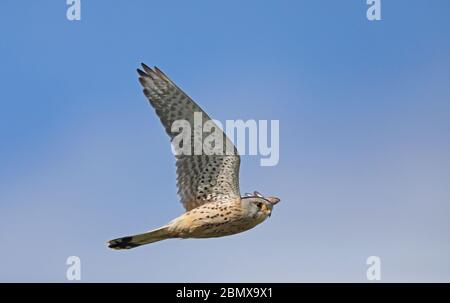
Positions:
{"x": 140, "y": 239}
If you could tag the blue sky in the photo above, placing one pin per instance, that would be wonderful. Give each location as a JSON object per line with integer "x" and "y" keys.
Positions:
{"x": 364, "y": 113}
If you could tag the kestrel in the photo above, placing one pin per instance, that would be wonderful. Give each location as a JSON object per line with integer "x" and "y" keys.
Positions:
{"x": 207, "y": 184}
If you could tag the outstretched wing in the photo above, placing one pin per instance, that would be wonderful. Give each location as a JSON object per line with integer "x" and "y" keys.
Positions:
{"x": 201, "y": 178}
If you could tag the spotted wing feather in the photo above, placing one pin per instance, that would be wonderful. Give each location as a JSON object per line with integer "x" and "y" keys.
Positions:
{"x": 200, "y": 178}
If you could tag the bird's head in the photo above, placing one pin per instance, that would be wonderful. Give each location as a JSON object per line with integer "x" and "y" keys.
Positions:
{"x": 261, "y": 206}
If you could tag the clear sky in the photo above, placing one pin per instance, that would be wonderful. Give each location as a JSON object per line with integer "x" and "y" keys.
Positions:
{"x": 364, "y": 111}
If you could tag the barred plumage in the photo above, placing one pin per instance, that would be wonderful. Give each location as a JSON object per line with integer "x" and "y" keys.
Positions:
{"x": 207, "y": 184}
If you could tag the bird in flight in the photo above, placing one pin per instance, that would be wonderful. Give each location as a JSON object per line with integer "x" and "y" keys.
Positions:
{"x": 208, "y": 184}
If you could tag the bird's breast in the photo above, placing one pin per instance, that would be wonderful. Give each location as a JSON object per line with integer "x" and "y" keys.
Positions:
{"x": 213, "y": 220}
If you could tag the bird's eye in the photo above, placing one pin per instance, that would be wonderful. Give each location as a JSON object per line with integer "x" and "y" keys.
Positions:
{"x": 259, "y": 205}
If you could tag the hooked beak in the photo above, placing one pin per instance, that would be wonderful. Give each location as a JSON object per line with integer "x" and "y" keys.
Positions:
{"x": 273, "y": 200}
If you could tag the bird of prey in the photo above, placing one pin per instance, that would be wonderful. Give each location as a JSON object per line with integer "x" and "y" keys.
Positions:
{"x": 208, "y": 184}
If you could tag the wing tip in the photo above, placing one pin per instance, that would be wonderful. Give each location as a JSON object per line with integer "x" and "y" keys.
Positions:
{"x": 141, "y": 72}
{"x": 154, "y": 72}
